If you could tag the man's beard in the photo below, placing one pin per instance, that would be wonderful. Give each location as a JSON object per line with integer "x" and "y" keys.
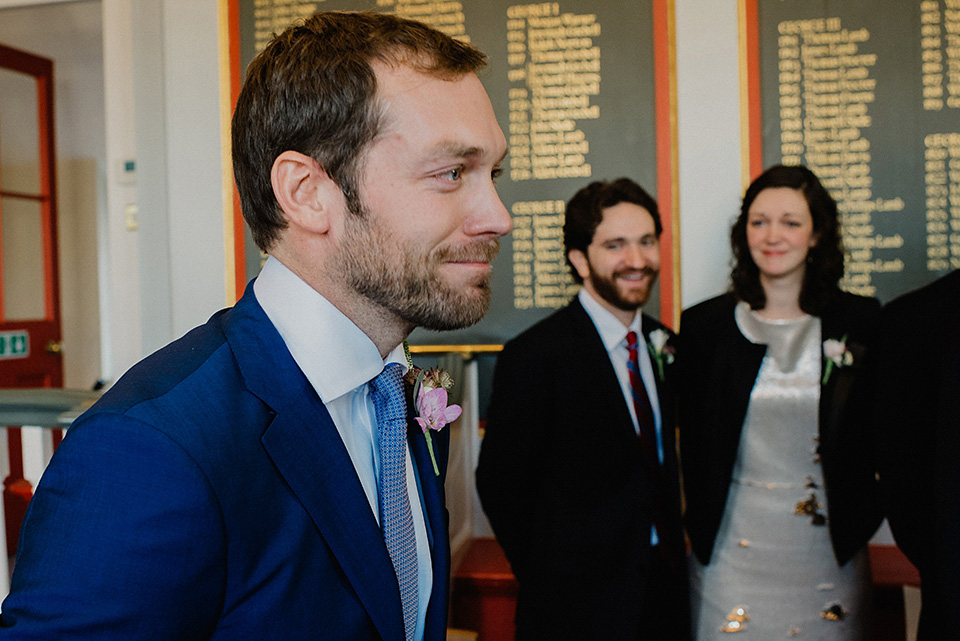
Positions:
{"x": 410, "y": 285}
{"x": 607, "y": 289}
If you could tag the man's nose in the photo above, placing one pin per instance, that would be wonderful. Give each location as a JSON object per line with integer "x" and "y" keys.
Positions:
{"x": 490, "y": 218}
{"x": 635, "y": 256}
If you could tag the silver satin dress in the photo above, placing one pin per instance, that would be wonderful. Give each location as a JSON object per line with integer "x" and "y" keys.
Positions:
{"x": 773, "y": 574}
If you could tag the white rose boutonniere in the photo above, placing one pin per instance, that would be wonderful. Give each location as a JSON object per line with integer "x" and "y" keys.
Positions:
{"x": 661, "y": 353}
{"x": 837, "y": 354}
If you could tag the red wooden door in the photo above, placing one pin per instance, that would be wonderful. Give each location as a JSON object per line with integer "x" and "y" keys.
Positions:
{"x": 29, "y": 278}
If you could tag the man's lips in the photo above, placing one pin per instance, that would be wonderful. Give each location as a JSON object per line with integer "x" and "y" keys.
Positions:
{"x": 474, "y": 264}
{"x": 634, "y": 276}
{"x": 476, "y": 254}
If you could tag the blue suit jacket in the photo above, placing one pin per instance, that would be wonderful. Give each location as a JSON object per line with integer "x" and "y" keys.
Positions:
{"x": 208, "y": 495}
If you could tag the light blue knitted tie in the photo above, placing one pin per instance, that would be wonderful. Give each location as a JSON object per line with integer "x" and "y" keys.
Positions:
{"x": 396, "y": 519}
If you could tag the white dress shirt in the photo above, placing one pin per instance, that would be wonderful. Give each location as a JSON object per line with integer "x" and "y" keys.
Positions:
{"x": 340, "y": 360}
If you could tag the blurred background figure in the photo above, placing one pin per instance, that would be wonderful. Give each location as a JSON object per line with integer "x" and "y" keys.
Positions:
{"x": 917, "y": 417}
{"x": 781, "y": 497}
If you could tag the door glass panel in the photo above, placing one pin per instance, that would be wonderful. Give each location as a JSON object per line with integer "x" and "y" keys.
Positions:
{"x": 21, "y": 230}
{"x": 19, "y": 138}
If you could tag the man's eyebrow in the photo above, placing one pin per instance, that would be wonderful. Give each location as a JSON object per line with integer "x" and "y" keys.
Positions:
{"x": 458, "y": 150}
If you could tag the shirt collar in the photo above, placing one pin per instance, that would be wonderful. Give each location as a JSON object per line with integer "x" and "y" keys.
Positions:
{"x": 611, "y": 330}
{"x": 333, "y": 353}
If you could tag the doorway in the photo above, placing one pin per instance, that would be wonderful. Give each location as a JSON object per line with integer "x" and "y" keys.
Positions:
{"x": 30, "y": 334}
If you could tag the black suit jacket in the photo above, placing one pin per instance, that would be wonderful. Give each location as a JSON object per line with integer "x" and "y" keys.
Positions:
{"x": 561, "y": 480}
{"x": 917, "y": 416}
{"x": 718, "y": 368}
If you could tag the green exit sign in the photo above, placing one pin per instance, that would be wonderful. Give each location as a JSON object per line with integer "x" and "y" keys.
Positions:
{"x": 14, "y": 344}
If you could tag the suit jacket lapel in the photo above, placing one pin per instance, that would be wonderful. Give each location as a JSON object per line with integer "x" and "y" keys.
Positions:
{"x": 433, "y": 503}
{"x": 604, "y": 386}
{"x": 307, "y": 450}
{"x": 431, "y": 488}
{"x": 835, "y": 392}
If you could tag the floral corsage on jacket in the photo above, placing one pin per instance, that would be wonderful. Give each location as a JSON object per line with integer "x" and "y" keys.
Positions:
{"x": 661, "y": 352}
{"x": 839, "y": 354}
{"x": 428, "y": 397}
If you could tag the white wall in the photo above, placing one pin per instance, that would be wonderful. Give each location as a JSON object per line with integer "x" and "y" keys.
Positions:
{"x": 163, "y": 252}
{"x": 176, "y": 90}
{"x": 708, "y": 145}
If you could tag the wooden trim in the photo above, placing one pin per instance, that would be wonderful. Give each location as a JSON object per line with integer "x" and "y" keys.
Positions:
{"x": 751, "y": 115}
{"x": 466, "y": 350}
{"x": 235, "y": 83}
{"x": 665, "y": 90}
{"x": 226, "y": 181}
{"x": 25, "y": 62}
{"x": 48, "y": 156}
{"x": 23, "y": 195}
{"x": 3, "y": 315}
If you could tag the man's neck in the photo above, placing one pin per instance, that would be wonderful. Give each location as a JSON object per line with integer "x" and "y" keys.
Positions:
{"x": 385, "y": 329}
{"x": 625, "y": 316}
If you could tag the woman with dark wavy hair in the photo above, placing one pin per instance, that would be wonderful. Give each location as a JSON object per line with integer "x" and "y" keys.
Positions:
{"x": 780, "y": 490}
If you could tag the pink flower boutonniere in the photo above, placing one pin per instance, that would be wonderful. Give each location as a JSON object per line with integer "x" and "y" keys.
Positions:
{"x": 661, "y": 353}
{"x": 837, "y": 355}
{"x": 429, "y": 398}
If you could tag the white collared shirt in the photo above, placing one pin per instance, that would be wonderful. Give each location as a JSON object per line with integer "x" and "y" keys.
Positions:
{"x": 340, "y": 360}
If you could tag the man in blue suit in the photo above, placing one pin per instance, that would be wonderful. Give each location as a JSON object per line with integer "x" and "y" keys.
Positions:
{"x": 227, "y": 486}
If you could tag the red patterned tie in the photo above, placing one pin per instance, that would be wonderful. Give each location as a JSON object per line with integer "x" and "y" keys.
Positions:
{"x": 641, "y": 403}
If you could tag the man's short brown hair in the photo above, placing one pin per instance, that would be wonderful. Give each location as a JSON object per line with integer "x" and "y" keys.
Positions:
{"x": 313, "y": 90}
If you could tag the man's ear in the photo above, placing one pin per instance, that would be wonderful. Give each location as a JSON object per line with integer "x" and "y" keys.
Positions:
{"x": 579, "y": 261}
{"x": 306, "y": 194}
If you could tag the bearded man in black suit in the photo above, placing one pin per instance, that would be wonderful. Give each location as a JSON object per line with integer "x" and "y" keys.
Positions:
{"x": 578, "y": 469}
{"x": 917, "y": 416}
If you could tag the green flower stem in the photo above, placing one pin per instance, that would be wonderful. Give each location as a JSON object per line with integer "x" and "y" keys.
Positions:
{"x": 433, "y": 459}
{"x": 827, "y": 370}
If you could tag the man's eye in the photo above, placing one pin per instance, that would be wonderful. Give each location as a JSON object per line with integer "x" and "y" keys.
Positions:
{"x": 453, "y": 174}
{"x": 496, "y": 173}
